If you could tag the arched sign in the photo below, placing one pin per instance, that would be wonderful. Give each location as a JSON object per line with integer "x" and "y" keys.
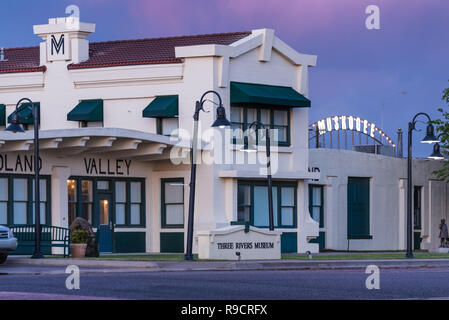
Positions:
{"x": 352, "y": 124}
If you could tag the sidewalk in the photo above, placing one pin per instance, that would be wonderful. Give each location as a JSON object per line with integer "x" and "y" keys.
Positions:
{"x": 230, "y": 265}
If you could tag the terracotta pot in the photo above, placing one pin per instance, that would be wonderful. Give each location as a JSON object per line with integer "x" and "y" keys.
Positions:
{"x": 78, "y": 250}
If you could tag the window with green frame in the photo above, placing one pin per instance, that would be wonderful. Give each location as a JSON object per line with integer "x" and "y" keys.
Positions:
{"x": 275, "y": 118}
{"x": 128, "y": 196}
{"x": 167, "y": 126}
{"x": 252, "y": 198}
{"x": 316, "y": 203}
{"x": 172, "y": 203}
{"x": 17, "y": 199}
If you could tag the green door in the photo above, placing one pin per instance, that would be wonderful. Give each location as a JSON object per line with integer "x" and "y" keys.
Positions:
{"x": 358, "y": 208}
{"x": 105, "y": 226}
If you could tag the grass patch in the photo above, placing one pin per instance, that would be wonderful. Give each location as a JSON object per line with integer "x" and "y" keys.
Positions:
{"x": 144, "y": 257}
{"x": 366, "y": 256}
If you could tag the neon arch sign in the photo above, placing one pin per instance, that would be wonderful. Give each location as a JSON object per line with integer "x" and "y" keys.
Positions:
{"x": 351, "y": 123}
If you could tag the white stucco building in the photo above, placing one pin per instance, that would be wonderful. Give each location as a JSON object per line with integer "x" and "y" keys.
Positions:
{"x": 107, "y": 110}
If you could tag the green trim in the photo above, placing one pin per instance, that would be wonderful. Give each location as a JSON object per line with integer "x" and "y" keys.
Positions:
{"x": 162, "y": 107}
{"x": 129, "y": 242}
{"x": 87, "y": 110}
{"x": 267, "y": 94}
{"x": 163, "y": 208}
{"x": 2, "y": 115}
{"x": 241, "y": 223}
{"x": 360, "y": 237}
{"x": 358, "y": 197}
{"x": 289, "y": 242}
{"x": 29, "y": 201}
{"x": 172, "y": 242}
{"x": 278, "y": 185}
{"x": 417, "y": 240}
{"x": 25, "y": 112}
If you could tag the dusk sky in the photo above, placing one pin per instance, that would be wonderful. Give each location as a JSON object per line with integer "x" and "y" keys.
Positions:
{"x": 357, "y": 70}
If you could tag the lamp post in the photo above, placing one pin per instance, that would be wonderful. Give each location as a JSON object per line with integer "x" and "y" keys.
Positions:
{"x": 16, "y": 127}
{"x": 257, "y": 124}
{"x": 221, "y": 122}
{"x": 429, "y": 138}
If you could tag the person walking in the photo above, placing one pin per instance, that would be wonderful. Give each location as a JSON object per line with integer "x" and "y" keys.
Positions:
{"x": 443, "y": 233}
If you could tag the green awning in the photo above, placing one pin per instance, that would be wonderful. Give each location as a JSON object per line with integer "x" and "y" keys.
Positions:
{"x": 87, "y": 110}
{"x": 162, "y": 107}
{"x": 267, "y": 95}
{"x": 2, "y": 115}
{"x": 25, "y": 112}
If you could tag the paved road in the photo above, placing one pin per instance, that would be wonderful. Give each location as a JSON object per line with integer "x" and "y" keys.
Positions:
{"x": 49, "y": 283}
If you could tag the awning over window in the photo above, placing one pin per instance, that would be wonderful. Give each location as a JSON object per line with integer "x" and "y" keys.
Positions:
{"x": 25, "y": 112}
{"x": 268, "y": 95}
{"x": 87, "y": 110}
{"x": 2, "y": 115}
{"x": 162, "y": 107}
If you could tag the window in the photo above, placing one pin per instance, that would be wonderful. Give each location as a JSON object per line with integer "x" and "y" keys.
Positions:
{"x": 20, "y": 200}
{"x": 359, "y": 208}
{"x": 136, "y": 203}
{"x": 417, "y": 195}
{"x": 127, "y": 206}
{"x": 316, "y": 204}
{"x": 253, "y": 204}
{"x": 3, "y": 201}
{"x": 172, "y": 200}
{"x": 72, "y": 192}
{"x": 86, "y": 200}
{"x": 275, "y": 119}
{"x": 90, "y": 124}
{"x": 167, "y": 126}
{"x": 244, "y": 203}
{"x": 120, "y": 202}
{"x": 103, "y": 185}
{"x": 17, "y": 199}
{"x": 42, "y": 202}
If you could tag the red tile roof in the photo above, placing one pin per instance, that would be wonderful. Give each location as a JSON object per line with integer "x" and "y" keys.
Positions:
{"x": 119, "y": 53}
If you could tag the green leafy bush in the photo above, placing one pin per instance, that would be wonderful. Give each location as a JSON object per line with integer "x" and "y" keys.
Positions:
{"x": 79, "y": 236}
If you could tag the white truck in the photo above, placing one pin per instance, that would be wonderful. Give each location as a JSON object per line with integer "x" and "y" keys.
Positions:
{"x": 7, "y": 243}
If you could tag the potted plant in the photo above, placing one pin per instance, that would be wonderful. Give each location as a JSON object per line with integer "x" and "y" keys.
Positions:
{"x": 78, "y": 243}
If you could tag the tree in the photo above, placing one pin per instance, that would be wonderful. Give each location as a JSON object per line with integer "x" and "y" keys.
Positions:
{"x": 442, "y": 127}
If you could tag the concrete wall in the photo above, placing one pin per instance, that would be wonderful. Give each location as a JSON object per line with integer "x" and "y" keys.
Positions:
{"x": 388, "y": 196}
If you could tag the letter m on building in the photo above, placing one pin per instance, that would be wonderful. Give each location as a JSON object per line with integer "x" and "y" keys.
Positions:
{"x": 57, "y": 45}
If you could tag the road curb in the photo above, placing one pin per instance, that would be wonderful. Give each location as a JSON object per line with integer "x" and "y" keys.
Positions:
{"x": 233, "y": 265}
{"x": 81, "y": 263}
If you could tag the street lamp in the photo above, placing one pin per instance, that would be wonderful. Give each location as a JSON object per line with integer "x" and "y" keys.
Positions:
{"x": 15, "y": 126}
{"x": 429, "y": 138}
{"x": 251, "y": 148}
{"x": 220, "y": 122}
{"x": 436, "y": 154}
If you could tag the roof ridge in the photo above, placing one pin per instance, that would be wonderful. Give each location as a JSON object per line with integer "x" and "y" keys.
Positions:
{"x": 21, "y": 48}
{"x": 176, "y": 37}
{"x": 145, "y": 39}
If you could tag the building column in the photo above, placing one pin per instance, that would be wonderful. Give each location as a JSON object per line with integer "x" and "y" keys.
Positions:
{"x": 308, "y": 228}
{"x": 59, "y": 199}
{"x": 402, "y": 227}
{"x": 331, "y": 210}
